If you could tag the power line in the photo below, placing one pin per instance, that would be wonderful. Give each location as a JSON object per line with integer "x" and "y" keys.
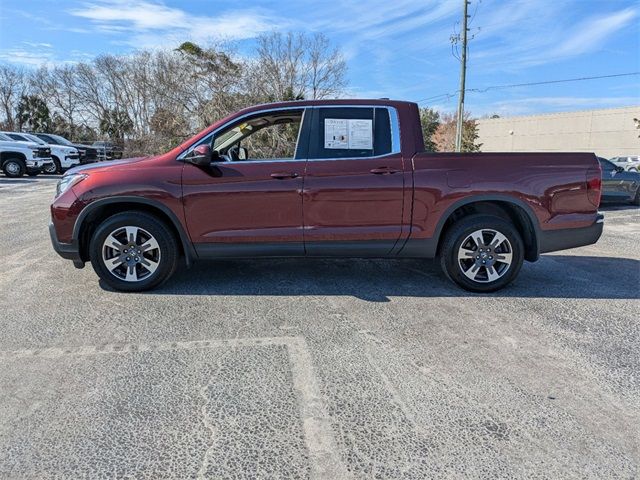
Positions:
{"x": 514, "y": 85}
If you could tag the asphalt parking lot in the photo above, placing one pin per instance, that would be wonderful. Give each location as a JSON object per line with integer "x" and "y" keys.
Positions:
{"x": 325, "y": 369}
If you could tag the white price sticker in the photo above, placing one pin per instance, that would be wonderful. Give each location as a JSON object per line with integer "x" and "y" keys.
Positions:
{"x": 352, "y": 134}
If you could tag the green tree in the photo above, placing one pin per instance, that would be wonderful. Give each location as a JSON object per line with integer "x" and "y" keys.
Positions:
{"x": 445, "y": 135}
{"x": 33, "y": 114}
{"x": 429, "y": 120}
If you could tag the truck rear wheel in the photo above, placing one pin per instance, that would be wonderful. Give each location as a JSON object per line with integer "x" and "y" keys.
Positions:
{"x": 482, "y": 253}
{"x": 133, "y": 251}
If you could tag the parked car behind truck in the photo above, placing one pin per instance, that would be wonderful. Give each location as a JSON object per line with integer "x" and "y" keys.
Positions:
{"x": 348, "y": 178}
{"x": 88, "y": 154}
{"x": 619, "y": 185}
{"x": 18, "y": 158}
{"x": 64, "y": 157}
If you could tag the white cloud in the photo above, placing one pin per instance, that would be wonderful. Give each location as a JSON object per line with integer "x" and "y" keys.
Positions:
{"x": 591, "y": 34}
{"x": 527, "y": 34}
{"x": 148, "y": 24}
{"x": 24, "y": 56}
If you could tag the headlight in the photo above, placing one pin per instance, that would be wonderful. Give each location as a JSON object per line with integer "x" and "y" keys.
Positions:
{"x": 34, "y": 153}
{"x": 68, "y": 181}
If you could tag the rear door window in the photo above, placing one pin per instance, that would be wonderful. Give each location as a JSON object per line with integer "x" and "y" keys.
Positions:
{"x": 350, "y": 132}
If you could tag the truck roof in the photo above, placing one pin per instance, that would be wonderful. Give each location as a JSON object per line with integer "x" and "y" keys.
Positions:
{"x": 385, "y": 102}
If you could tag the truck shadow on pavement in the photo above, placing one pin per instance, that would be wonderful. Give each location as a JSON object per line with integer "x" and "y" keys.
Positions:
{"x": 553, "y": 276}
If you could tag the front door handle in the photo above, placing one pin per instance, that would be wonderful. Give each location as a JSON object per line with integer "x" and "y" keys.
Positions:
{"x": 283, "y": 175}
{"x": 383, "y": 171}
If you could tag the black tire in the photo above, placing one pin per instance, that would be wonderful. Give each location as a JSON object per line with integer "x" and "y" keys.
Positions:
{"x": 55, "y": 168}
{"x": 636, "y": 200}
{"x": 460, "y": 232}
{"x": 14, "y": 167}
{"x": 167, "y": 252}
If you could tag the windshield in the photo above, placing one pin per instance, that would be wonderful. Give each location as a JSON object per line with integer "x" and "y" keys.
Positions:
{"x": 33, "y": 138}
{"x": 60, "y": 140}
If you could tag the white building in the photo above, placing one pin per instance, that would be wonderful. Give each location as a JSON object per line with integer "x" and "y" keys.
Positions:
{"x": 608, "y": 133}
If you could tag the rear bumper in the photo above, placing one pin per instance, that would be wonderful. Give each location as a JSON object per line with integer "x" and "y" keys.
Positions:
{"x": 554, "y": 240}
{"x": 69, "y": 251}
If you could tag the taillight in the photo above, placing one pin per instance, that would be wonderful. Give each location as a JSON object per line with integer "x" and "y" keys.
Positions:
{"x": 594, "y": 185}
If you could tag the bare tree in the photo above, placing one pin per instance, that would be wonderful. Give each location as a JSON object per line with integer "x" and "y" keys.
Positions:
{"x": 13, "y": 86}
{"x": 294, "y": 66}
{"x": 152, "y": 100}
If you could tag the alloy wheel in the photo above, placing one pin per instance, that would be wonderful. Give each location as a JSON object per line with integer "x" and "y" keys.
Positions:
{"x": 485, "y": 255}
{"x": 50, "y": 168}
{"x": 13, "y": 168}
{"x": 131, "y": 253}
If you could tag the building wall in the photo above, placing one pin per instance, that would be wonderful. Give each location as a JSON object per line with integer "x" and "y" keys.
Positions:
{"x": 608, "y": 132}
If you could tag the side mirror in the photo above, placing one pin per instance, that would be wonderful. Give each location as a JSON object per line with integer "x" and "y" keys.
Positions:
{"x": 242, "y": 153}
{"x": 200, "y": 156}
{"x": 619, "y": 169}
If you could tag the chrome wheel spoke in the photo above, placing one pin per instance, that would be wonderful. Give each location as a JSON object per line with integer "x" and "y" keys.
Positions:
{"x": 465, "y": 254}
{"x": 113, "y": 242}
{"x": 472, "y": 271}
{"x": 149, "y": 265}
{"x": 498, "y": 238}
{"x": 492, "y": 275}
{"x": 132, "y": 234}
{"x": 113, "y": 263}
{"x": 132, "y": 274}
{"x": 477, "y": 238}
{"x": 150, "y": 244}
{"x": 504, "y": 257}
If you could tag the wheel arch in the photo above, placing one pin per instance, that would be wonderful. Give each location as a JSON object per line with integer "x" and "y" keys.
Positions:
{"x": 97, "y": 211}
{"x": 504, "y": 206}
{"x": 4, "y": 156}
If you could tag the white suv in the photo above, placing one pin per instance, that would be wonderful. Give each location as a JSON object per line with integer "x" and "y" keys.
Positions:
{"x": 18, "y": 158}
{"x": 64, "y": 157}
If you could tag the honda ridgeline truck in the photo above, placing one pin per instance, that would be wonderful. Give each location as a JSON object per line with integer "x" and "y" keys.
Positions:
{"x": 337, "y": 178}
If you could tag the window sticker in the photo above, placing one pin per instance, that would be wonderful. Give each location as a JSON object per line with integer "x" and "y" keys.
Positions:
{"x": 348, "y": 134}
{"x": 361, "y": 134}
{"x": 336, "y": 133}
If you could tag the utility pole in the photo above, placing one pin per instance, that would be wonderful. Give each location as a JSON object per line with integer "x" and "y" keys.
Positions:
{"x": 463, "y": 73}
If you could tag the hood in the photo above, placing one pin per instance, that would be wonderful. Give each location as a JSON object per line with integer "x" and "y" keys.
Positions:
{"x": 64, "y": 148}
{"x": 6, "y": 143}
{"x": 82, "y": 145}
{"x": 115, "y": 164}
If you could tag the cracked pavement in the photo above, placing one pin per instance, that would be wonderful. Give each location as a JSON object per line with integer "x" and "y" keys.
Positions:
{"x": 317, "y": 368}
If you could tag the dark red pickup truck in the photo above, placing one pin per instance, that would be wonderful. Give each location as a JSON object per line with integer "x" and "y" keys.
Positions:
{"x": 338, "y": 178}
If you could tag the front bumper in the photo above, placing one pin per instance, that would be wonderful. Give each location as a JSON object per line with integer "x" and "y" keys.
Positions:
{"x": 554, "y": 240}
{"x": 69, "y": 251}
{"x": 38, "y": 164}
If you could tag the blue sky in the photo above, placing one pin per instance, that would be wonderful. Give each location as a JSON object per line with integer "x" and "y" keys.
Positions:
{"x": 394, "y": 48}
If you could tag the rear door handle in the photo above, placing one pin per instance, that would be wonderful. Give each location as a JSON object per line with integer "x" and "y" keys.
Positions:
{"x": 283, "y": 175}
{"x": 383, "y": 171}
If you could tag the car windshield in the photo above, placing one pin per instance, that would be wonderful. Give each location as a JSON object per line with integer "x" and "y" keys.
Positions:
{"x": 33, "y": 138}
{"x": 60, "y": 140}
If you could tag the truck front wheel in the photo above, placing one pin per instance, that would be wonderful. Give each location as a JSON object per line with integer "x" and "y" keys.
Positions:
{"x": 482, "y": 253}
{"x": 53, "y": 168}
{"x": 14, "y": 168}
{"x": 133, "y": 251}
